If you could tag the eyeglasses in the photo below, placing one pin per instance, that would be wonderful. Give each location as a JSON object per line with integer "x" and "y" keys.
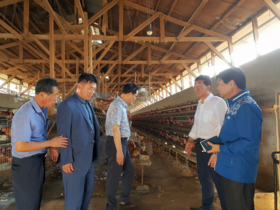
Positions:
{"x": 198, "y": 85}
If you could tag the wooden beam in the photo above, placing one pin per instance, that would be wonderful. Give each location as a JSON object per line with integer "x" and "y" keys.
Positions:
{"x": 141, "y": 26}
{"x": 11, "y": 30}
{"x": 273, "y": 8}
{"x": 80, "y": 9}
{"x": 142, "y": 70}
{"x": 176, "y": 83}
{"x": 256, "y": 34}
{"x": 130, "y": 69}
{"x": 119, "y": 77}
{"x": 26, "y": 16}
{"x": 103, "y": 54}
{"x": 112, "y": 80}
{"x": 217, "y": 53}
{"x": 199, "y": 67}
{"x": 75, "y": 47}
{"x": 86, "y": 42}
{"x": 29, "y": 87}
{"x": 230, "y": 49}
{"x": 162, "y": 28}
{"x": 185, "y": 33}
{"x": 8, "y": 80}
{"x": 5, "y": 46}
{"x": 63, "y": 69}
{"x": 90, "y": 70}
{"x": 46, "y": 5}
{"x": 52, "y": 46}
{"x": 188, "y": 69}
{"x": 149, "y": 55}
{"x": 135, "y": 53}
{"x": 164, "y": 88}
{"x": 102, "y": 11}
{"x": 120, "y": 52}
{"x": 72, "y": 90}
{"x": 8, "y": 2}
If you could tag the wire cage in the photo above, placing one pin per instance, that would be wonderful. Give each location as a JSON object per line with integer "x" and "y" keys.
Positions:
{"x": 131, "y": 106}
{"x": 144, "y": 93}
{"x": 5, "y": 142}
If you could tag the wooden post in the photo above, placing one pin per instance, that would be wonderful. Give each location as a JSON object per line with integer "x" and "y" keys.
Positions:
{"x": 43, "y": 70}
{"x": 213, "y": 62}
{"x": 63, "y": 64}
{"x": 182, "y": 82}
{"x": 199, "y": 67}
{"x": 20, "y": 87}
{"x": 149, "y": 55}
{"x": 90, "y": 52}
{"x": 26, "y": 16}
{"x": 256, "y": 35}
{"x": 119, "y": 77}
{"x": 120, "y": 52}
{"x": 20, "y": 46}
{"x": 230, "y": 48}
{"x": 190, "y": 80}
{"x": 77, "y": 68}
{"x": 85, "y": 23}
{"x": 52, "y": 47}
{"x": 120, "y": 20}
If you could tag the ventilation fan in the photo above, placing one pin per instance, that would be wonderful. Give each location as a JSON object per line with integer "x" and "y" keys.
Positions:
{"x": 144, "y": 93}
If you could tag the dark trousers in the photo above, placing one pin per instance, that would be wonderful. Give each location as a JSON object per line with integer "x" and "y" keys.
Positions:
{"x": 207, "y": 176}
{"x": 28, "y": 176}
{"x": 78, "y": 188}
{"x": 114, "y": 174}
{"x": 238, "y": 195}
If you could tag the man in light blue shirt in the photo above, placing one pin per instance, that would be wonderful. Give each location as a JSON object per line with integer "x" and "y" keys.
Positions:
{"x": 119, "y": 160}
{"x": 30, "y": 143}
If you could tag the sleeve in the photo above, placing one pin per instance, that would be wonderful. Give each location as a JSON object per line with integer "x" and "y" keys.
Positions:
{"x": 23, "y": 128}
{"x": 248, "y": 126}
{"x": 193, "y": 131}
{"x": 63, "y": 121}
{"x": 220, "y": 110}
{"x": 115, "y": 115}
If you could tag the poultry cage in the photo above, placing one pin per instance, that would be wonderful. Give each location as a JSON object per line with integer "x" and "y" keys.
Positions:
{"x": 5, "y": 141}
{"x": 144, "y": 93}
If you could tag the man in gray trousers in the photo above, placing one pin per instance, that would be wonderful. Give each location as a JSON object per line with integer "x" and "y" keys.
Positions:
{"x": 119, "y": 160}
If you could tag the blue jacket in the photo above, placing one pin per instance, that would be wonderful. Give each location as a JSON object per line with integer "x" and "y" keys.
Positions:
{"x": 240, "y": 134}
{"x": 83, "y": 143}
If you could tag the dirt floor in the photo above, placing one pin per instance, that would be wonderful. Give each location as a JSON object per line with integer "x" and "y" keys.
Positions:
{"x": 171, "y": 186}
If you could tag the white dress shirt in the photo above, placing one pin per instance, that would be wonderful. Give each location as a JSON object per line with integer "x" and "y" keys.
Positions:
{"x": 208, "y": 118}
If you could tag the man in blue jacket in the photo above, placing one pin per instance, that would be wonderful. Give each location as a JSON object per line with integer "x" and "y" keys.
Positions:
{"x": 76, "y": 121}
{"x": 238, "y": 156}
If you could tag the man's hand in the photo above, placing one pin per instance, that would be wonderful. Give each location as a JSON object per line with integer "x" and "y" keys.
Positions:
{"x": 119, "y": 157}
{"x": 53, "y": 153}
{"x": 188, "y": 147}
{"x": 59, "y": 141}
{"x": 215, "y": 148}
{"x": 68, "y": 168}
{"x": 212, "y": 160}
{"x": 133, "y": 143}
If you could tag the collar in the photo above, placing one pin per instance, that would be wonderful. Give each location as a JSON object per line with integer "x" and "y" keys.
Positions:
{"x": 245, "y": 92}
{"x": 37, "y": 108}
{"x": 81, "y": 99}
{"x": 208, "y": 98}
{"x": 122, "y": 101}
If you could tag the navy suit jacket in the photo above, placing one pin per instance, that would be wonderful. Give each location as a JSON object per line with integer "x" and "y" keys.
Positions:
{"x": 72, "y": 122}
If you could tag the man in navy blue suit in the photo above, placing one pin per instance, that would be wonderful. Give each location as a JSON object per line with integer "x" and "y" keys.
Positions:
{"x": 76, "y": 121}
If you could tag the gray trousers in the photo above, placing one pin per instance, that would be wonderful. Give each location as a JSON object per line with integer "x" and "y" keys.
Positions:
{"x": 114, "y": 174}
{"x": 28, "y": 175}
{"x": 238, "y": 196}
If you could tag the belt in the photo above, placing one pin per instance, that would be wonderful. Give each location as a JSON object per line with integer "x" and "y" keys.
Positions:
{"x": 198, "y": 140}
{"x": 36, "y": 156}
{"x": 122, "y": 138}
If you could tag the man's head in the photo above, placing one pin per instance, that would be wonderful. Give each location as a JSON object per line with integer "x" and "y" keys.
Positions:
{"x": 129, "y": 93}
{"x": 202, "y": 86}
{"x": 231, "y": 81}
{"x": 86, "y": 85}
{"x": 46, "y": 90}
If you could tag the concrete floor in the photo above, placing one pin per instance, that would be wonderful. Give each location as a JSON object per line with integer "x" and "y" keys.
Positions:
{"x": 171, "y": 187}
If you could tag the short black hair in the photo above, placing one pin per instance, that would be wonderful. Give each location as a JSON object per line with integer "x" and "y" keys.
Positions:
{"x": 206, "y": 79}
{"x": 130, "y": 88}
{"x": 45, "y": 85}
{"x": 86, "y": 77}
{"x": 236, "y": 74}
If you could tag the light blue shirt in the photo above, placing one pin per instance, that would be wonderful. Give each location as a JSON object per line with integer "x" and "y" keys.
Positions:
{"x": 117, "y": 114}
{"x": 29, "y": 124}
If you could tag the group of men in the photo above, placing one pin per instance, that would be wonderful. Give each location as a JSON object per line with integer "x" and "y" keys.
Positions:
{"x": 233, "y": 165}
{"x": 237, "y": 122}
{"x": 78, "y": 143}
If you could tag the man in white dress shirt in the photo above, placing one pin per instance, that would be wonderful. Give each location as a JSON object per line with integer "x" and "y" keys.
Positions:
{"x": 208, "y": 121}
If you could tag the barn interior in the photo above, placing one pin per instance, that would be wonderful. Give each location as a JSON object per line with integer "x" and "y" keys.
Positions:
{"x": 160, "y": 45}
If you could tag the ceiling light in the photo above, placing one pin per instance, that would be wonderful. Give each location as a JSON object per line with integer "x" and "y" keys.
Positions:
{"x": 149, "y": 31}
